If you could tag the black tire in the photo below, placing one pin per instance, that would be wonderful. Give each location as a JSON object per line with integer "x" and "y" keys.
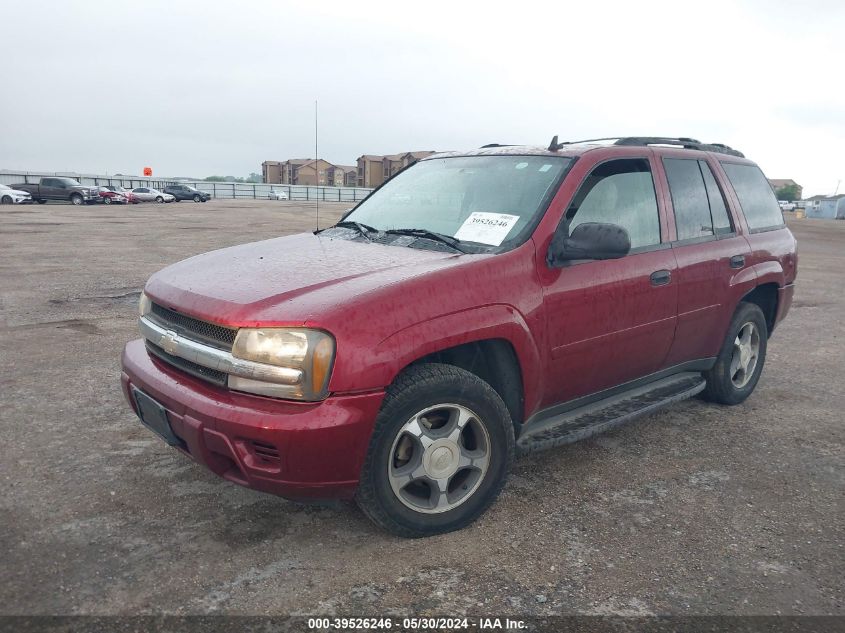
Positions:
{"x": 41, "y": 201}
{"x": 159, "y": 199}
{"x": 720, "y": 384}
{"x": 107, "y": 200}
{"x": 197, "y": 198}
{"x": 416, "y": 389}
{"x": 6, "y": 200}
{"x": 76, "y": 199}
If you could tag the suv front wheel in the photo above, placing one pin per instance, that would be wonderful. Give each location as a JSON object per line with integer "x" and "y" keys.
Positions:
{"x": 440, "y": 452}
{"x": 740, "y": 361}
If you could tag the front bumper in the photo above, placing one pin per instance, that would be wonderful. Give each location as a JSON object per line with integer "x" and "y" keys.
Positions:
{"x": 297, "y": 450}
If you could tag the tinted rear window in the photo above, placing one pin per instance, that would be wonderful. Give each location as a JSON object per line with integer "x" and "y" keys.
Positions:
{"x": 689, "y": 198}
{"x": 755, "y": 195}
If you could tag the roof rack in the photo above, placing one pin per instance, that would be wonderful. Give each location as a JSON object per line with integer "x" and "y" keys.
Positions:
{"x": 494, "y": 145}
{"x": 681, "y": 141}
{"x": 686, "y": 143}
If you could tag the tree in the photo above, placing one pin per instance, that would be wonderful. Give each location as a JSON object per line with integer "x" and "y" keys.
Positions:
{"x": 788, "y": 193}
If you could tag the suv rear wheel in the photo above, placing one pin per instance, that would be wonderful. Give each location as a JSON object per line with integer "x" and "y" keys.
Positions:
{"x": 439, "y": 454}
{"x": 740, "y": 361}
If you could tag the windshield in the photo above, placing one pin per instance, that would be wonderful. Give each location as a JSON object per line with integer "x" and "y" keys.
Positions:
{"x": 486, "y": 200}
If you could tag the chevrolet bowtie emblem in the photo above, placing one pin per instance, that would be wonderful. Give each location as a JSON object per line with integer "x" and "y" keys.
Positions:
{"x": 169, "y": 342}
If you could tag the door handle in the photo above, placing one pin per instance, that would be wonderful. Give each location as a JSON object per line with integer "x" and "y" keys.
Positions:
{"x": 660, "y": 277}
{"x": 738, "y": 261}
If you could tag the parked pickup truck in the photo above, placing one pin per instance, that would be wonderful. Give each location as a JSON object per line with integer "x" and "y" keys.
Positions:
{"x": 55, "y": 188}
{"x": 476, "y": 306}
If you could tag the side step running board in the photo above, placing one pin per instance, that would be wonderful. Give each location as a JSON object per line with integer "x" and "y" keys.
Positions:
{"x": 598, "y": 417}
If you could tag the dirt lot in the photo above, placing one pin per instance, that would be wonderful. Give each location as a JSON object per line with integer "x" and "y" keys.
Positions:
{"x": 699, "y": 509}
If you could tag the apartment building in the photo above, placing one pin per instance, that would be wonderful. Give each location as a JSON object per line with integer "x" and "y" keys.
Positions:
{"x": 343, "y": 175}
{"x": 374, "y": 169}
{"x": 284, "y": 172}
{"x": 370, "y": 171}
{"x": 409, "y": 158}
{"x": 314, "y": 172}
{"x": 271, "y": 171}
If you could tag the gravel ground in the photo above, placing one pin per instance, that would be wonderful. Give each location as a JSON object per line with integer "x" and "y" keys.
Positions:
{"x": 699, "y": 509}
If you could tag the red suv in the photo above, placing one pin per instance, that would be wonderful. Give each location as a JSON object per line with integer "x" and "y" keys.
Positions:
{"x": 477, "y": 305}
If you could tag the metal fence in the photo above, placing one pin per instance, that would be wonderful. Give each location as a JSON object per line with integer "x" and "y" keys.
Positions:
{"x": 222, "y": 190}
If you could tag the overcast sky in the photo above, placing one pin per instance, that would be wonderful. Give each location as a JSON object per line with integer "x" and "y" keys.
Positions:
{"x": 202, "y": 88}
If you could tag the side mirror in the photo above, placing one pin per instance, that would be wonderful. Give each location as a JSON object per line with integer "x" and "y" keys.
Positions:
{"x": 590, "y": 240}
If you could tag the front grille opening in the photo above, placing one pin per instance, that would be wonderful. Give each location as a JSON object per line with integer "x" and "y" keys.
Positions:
{"x": 266, "y": 452}
{"x": 189, "y": 367}
{"x": 212, "y": 334}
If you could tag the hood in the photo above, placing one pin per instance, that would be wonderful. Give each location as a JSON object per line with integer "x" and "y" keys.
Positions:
{"x": 243, "y": 285}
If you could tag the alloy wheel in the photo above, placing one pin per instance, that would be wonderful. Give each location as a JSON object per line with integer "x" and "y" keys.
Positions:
{"x": 745, "y": 355}
{"x": 439, "y": 458}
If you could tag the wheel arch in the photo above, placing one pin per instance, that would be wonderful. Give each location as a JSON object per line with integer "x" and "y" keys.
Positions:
{"x": 492, "y": 342}
{"x": 765, "y": 296}
{"x": 495, "y": 362}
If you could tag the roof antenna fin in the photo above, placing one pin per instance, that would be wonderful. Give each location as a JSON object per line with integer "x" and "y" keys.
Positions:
{"x": 554, "y": 145}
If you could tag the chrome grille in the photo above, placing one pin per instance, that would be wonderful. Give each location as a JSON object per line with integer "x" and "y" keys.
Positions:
{"x": 206, "y": 373}
{"x": 212, "y": 334}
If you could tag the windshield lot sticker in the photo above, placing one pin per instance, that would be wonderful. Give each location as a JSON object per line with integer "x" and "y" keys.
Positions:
{"x": 486, "y": 228}
{"x": 545, "y": 168}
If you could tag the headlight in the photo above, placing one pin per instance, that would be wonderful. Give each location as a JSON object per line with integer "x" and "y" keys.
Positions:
{"x": 144, "y": 305}
{"x": 309, "y": 354}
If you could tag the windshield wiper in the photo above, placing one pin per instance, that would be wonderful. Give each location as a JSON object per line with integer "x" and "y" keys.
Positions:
{"x": 430, "y": 235}
{"x": 363, "y": 229}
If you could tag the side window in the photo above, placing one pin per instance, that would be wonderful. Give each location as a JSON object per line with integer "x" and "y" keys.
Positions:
{"x": 689, "y": 198}
{"x": 619, "y": 192}
{"x": 755, "y": 195}
{"x": 718, "y": 210}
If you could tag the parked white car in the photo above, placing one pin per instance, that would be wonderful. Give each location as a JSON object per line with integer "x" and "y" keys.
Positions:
{"x": 13, "y": 196}
{"x": 277, "y": 194}
{"x": 786, "y": 206}
{"x": 148, "y": 194}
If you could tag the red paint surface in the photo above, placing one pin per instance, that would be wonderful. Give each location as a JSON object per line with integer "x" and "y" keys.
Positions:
{"x": 575, "y": 330}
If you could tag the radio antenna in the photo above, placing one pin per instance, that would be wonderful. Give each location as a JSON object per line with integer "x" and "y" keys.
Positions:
{"x": 316, "y": 167}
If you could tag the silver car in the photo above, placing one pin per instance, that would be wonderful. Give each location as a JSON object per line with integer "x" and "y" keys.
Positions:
{"x": 148, "y": 194}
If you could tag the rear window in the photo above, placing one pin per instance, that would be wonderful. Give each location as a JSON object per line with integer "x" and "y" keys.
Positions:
{"x": 696, "y": 199}
{"x": 755, "y": 195}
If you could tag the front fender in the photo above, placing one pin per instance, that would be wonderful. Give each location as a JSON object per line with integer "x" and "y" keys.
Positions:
{"x": 495, "y": 321}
